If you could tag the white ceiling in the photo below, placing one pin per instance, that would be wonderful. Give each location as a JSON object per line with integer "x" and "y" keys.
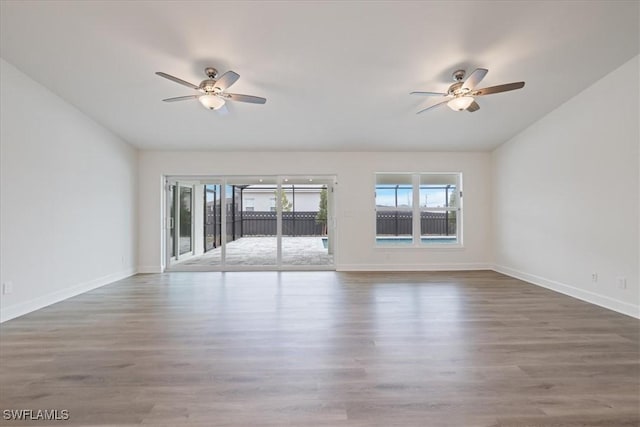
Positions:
{"x": 337, "y": 75}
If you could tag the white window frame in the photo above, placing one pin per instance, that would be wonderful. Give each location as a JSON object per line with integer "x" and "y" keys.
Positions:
{"x": 416, "y": 210}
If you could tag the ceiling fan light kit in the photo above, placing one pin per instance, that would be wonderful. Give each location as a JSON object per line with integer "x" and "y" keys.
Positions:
{"x": 212, "y": 91}
{"x": 211, "y": 102}
{"x": 461, "y": 95}
{"x": 460, "y": 103}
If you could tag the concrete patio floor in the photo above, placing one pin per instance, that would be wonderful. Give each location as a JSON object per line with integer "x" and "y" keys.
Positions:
{"x": 255, "y": 251}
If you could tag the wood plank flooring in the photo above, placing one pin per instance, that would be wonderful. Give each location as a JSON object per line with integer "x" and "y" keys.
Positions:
{"x": 324, "y": 349}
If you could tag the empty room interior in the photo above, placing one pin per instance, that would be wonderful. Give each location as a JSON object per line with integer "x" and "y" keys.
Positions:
{"x": 320, "y": 213}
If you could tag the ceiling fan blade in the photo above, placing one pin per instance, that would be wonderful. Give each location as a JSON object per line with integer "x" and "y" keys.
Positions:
{"x": 180, "y": 98}
{"x": 433, "y": 106}
{"x": 428, "y": 93}
{"x": 245, "y": 98}
{"x": 473, "y": 107}
{"x": 475, "y": 78}
{"x": 226, "y": 80}
{"x": 177, "y": 80}
{"x": 497, "y": 89}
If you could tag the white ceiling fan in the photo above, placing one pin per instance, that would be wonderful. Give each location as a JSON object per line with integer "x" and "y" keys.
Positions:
{"x": 212, "y": 91}
{"x": 461, "y": 95}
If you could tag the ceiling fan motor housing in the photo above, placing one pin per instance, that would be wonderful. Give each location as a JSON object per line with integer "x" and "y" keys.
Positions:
{"x": 208, "y": 85}
{"x": 454, "y": 87}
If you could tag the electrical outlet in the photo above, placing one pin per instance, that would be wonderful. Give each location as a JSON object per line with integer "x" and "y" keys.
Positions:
{"x": 7, "y": 288}
{"x": 622, "y": 282}
{"x": 594, "y": 277}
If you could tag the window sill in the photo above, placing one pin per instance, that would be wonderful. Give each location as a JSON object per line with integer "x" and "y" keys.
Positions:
{"x": 417, "y": 247}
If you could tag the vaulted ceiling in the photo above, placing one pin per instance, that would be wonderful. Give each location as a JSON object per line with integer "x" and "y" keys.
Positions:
{"x": 337, "y": 75}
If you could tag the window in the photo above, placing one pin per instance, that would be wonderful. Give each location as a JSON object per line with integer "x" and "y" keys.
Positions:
{"x": 418, "y": 209}
{"x": 439, "y": 208}
{"x": 394, "y": 209}
{"x": 272, "y": 208}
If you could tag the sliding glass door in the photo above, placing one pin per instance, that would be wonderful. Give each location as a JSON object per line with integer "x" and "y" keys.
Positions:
{"x": 253, "y": 223}
{"x": 180, "y": 220}
{"x": 305, "y": 222}
{"x": 252, "y": 235}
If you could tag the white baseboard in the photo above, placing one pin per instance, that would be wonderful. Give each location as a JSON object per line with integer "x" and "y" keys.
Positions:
{"x": 413, "y": 267}
{"x": 148, "y": 269}
{"x": 581, "y": 294}
{"x": 340, "y": 267}
{"x": 241, "y": 268}
{"x": 20, "y": 309}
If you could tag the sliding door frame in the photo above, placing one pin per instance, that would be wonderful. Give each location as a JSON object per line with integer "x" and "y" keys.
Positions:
{"x": 177, "y": 184}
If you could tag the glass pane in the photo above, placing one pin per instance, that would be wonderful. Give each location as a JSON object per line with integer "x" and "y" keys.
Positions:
{"x": 218, "y": 213}
{"x": 210, "y": 217}
{"x": 439, "y": 203}
{"x": 438, "y": 227}
{"x": 251, "y": 227}
{"x": 212, "y": 226}
{"x": 394, "y": 210}
{"x": 172, "y": 219}
{"x": 185, "y": 220}
{"x": 438, "y": 196}
{"x": 230, "y": 209}
{"x": 304, "y": 225}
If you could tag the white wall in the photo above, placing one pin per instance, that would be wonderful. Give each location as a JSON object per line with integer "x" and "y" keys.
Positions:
{"x": 68, "y": 198}
{"x": 354, "y": 205}
{"x": 566, "y": 194}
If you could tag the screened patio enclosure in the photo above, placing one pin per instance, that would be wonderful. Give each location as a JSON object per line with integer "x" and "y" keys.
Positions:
{"x": 236, "y": 223}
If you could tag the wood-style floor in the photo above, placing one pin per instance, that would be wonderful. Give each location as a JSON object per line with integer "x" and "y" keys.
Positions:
{"x": 324, "y": 349}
